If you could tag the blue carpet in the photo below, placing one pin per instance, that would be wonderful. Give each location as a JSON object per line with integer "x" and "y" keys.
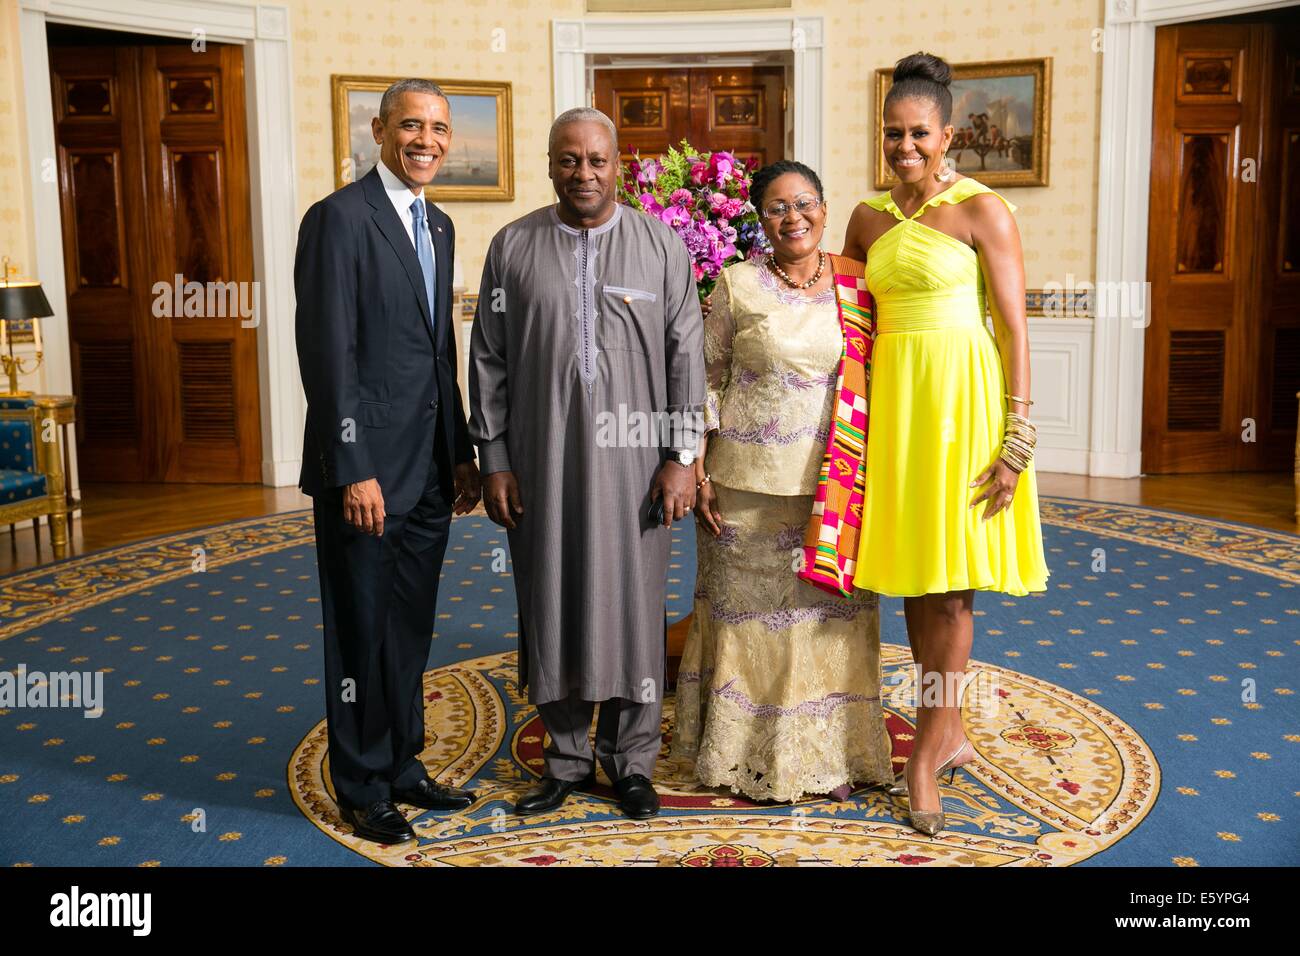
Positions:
{"x": 212, "y": 679}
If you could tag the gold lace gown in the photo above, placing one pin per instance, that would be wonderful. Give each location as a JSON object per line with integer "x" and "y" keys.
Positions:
{"x": 778, "y": 694}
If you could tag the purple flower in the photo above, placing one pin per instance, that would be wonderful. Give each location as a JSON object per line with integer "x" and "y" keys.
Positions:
{"x": 675, "y": 216}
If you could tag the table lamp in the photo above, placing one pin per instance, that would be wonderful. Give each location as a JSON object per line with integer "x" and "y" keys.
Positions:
{"x": 20, "y": 301}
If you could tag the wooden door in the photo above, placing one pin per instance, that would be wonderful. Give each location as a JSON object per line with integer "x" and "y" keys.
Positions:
{"x": 1278, "y": 341}
{"x": 739, "y": 109}
{"x": 1223, "y": 344}
{"x": 153, "y": 174}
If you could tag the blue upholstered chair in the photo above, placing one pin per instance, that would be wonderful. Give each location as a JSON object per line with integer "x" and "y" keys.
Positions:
{"x": 31, "y": 470}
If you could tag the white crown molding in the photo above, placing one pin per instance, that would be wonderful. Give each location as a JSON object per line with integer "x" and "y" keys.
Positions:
{"x": 217, "y": 18}
{"x": 1178, "y": 11}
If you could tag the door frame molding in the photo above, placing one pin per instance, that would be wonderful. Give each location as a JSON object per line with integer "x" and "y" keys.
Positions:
{"x": 574, "y": 41}
{"x": 1123, "y": 201}
{"x": 263, "y": 31}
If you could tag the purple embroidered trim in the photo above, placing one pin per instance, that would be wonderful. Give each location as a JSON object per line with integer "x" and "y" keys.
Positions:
{"x": 786, "y": 295}
{"x": 769, "y": 434}
{"x": 797, "y": 383}
{"x": 788, "y": 379}
{"x": 729, "y": 537}
{"x": 790, "y": 537}
{"x": 712, "y": 413}
{"x": 787, "y": 617}
{"x": 814, "y": 708}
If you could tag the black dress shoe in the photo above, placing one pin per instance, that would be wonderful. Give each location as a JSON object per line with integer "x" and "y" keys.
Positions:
{"x": 549, "y": 794}
{"x": 380, "y": 822}
{"x": 637, "y": 797}
{"x": 434, "y": 796}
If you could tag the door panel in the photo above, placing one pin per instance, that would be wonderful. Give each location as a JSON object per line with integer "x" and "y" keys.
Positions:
{"x": 1200, "y": 352}
{"x": 740, "y": 109}
{"x": 152, "y": 147}
{"x": 1278, "y": 306}
{"x": 101, "y": 189}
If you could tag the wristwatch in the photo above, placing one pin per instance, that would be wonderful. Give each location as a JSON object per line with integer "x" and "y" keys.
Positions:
{"x": 683, "y": 458}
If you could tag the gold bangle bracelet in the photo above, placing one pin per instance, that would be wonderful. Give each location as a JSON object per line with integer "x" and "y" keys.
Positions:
{"x": 1016, "y": 398}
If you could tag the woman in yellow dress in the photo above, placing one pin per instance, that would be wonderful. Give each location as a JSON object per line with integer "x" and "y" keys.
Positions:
{"x": 951, "y": 505}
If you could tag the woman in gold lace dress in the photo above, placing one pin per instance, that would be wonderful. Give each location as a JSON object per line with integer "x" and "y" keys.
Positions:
{"x": 778, "y": 694}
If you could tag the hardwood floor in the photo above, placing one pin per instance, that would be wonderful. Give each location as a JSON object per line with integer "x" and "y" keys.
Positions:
{"x": 1264, "y": 499}
{"x": 114, "y": 514}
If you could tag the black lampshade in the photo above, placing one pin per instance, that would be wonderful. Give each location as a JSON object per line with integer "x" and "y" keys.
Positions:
{"x": 23, "y": 300}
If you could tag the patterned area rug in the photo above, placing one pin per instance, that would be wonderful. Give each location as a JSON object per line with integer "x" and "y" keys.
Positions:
{"x": 1142, "y": 711}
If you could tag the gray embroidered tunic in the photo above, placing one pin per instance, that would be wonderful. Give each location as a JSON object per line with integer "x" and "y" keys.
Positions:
{"x": 580, "y": 336}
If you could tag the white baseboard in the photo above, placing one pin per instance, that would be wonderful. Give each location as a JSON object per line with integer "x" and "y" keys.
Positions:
{"x": 1066, "y": 461}
{"x": 280, "y": 474}
{"x": 1111, "y": 464}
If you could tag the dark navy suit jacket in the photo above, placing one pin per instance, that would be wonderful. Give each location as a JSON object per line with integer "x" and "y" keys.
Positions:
{"x": 378, "y": 367}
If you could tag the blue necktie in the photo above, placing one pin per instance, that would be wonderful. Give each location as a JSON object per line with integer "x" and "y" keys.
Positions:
{"x": 424, "y": 251}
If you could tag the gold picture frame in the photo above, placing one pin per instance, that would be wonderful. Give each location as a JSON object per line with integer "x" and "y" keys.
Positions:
{"x": 478, "y": 168}
{"x": 1021, "y": 158}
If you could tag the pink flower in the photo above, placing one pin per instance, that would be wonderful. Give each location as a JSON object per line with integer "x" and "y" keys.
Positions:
{"x": 721, "y": 164}
{"x": 681, "y": 197}
{"x": 675, "y": 216}
{"x": 650, "y": 204}
{"x": 699, "y": 172}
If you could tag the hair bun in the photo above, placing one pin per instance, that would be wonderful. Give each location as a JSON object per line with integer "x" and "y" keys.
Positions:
{"x": 923, "y": 66}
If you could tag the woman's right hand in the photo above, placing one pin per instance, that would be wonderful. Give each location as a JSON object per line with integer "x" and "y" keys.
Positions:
{"x": 706, "y": 508}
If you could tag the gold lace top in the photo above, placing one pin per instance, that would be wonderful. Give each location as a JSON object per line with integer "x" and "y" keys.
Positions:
{"x": 771, "y": 355}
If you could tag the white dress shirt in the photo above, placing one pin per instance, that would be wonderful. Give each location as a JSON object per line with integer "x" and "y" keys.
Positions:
{"x": 400, "y": 195}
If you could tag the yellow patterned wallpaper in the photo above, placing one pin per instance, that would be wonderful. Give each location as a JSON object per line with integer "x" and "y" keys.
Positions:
{"x": 15, "y": 203}
{"x": 453, "y": 40}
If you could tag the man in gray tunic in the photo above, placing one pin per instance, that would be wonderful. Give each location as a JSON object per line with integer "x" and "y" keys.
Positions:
{"x": 587, "y": 343}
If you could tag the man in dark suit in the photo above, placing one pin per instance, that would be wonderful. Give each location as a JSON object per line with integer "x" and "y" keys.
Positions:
{"x": 386, "y": 454}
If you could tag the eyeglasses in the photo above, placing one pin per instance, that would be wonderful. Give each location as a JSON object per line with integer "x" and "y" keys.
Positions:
{"x": 778, "y": 209}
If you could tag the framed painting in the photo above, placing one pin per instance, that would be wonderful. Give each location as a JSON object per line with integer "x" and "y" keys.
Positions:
{"x": 478, "y": 167}
{"x": 1001, "y": 117}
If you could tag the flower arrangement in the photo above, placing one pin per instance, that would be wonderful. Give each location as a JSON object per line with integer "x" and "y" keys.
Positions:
{"x": 704, "y": 197}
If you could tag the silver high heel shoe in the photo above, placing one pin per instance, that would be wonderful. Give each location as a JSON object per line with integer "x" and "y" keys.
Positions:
{"x": 899, "y": 789}
{"x": 928, "y": 822}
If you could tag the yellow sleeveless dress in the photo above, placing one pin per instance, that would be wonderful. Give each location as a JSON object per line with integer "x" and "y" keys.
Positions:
{"x": 936, "y": 422}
